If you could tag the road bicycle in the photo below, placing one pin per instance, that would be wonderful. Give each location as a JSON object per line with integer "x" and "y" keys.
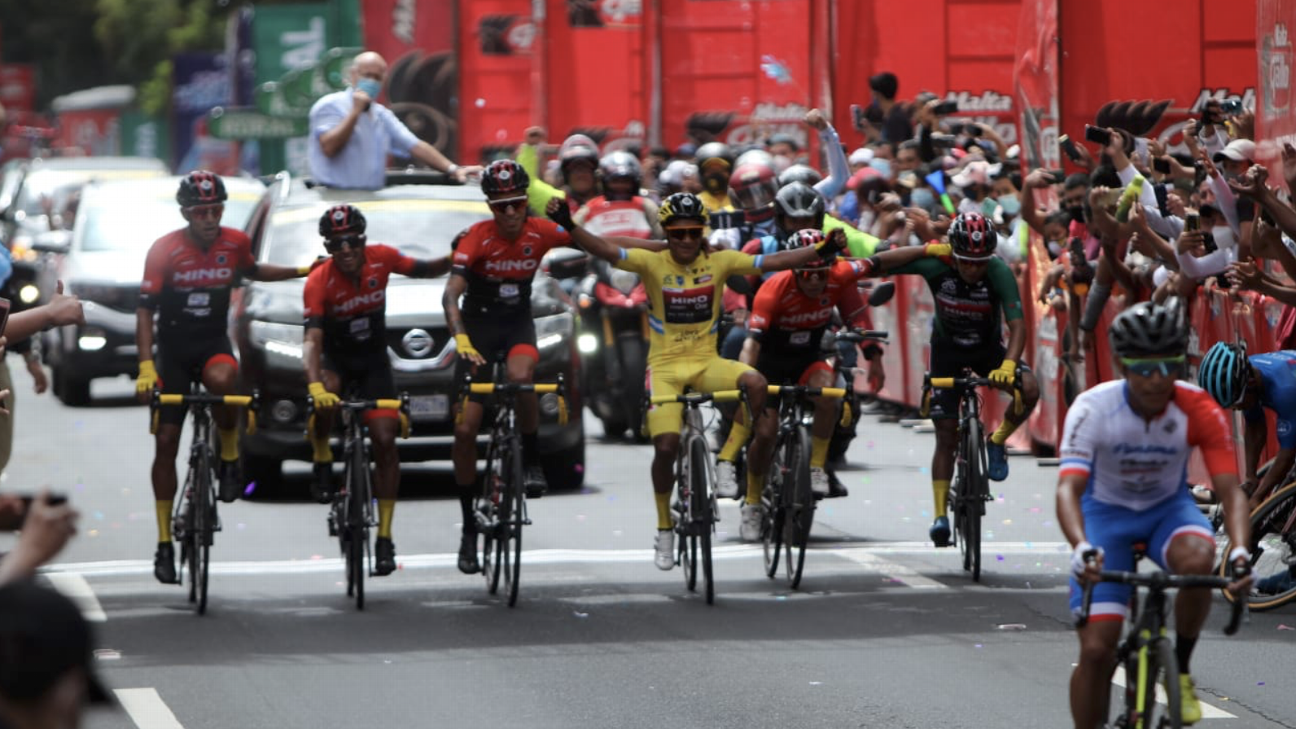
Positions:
{"x": 970, "y": 487}
{"x": 1273, "y": 551}
{"x": 1146, "y": 652}
{"x": 694, "y": 504}
{"x": 351, "y": 515}
{"x": 195, "y": 519}
{"x": 501, "y": 511}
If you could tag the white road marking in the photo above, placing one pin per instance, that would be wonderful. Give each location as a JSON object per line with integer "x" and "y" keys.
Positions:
{"x": 723, "y": 552}
{"x": 1208, "y": 711}
{"x": 896, "y": 571}
{"x": 75, "y": 588}
{"x": 147, "y": 709}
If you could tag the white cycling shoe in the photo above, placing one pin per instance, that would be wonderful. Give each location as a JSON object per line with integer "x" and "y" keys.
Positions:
{"x": 726, "y": 485}
{"x": 664, "y": 548}
{"x": 819, "y": 481}
{"x": 749, "y": 530}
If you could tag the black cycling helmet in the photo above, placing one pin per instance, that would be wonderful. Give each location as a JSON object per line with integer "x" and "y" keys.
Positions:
{"x": 201, "y": 187}
{"x": 341, "y": 221}
{"x": 1149, "y": 329}
{"x": 715, "y": 151}
{"x": 799, "y": 200}
{"x": 682, "y": 206}
{"x": 504, "y": 176}
{"x": 972, "y": 237}
{"x": 804, "y": 174}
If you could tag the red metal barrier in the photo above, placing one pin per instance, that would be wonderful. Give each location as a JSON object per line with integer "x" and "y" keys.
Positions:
{"x": 889, "y": 318}
{"x": 917, "y": 325}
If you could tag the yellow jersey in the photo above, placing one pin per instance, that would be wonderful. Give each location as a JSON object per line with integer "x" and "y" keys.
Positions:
{"x": 684, "y": 301}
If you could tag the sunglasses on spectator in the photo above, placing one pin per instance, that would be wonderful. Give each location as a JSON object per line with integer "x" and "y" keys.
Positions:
{"x": 1167, "y": 366}
{"x": 205, "y": 212}
{"x": 690, "y": 233}
{"x": 505, "y": 204}
{"x": 333, "y": 245}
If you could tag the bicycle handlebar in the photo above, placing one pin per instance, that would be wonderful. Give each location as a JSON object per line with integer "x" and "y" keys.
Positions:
{"x": 487, "y": 388}
{"x": 950, "y": 383}
{"x": 1161, "y": 581}
{"x": 697, "y": 398}
{"x": 862, "y": 335}
{"x": 794, "y": 390}
{"x": 244, "y": 401}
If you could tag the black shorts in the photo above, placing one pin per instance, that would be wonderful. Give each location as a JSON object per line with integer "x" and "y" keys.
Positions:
{"x": 950, "y": 361}
{"x": 784, "y": 369}
{"x": 368, "y": 379}
{"x": 493, "y": 338}
{"x": 180, "y": 364}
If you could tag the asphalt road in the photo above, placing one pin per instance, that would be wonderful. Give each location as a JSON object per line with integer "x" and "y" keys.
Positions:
{"x": 885, "y": 631}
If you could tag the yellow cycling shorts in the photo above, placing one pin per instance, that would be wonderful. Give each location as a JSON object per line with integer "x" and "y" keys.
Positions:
{"x": 708, "y": 374}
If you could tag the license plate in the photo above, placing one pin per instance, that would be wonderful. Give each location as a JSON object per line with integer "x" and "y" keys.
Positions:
{"x": 430, "y": 407}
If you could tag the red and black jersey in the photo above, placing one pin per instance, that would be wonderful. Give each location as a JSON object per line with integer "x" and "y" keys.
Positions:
{"x": 783, "y": 318}
{"x": 352, "y": 309}
{"x": 189, "y": 286}
{"x": 499, "y": 271}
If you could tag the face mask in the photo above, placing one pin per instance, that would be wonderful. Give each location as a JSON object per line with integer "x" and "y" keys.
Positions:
{"x": 1223, "y": 236}
{"x": 715, "y": 182}
{"x": 883, "y": 166}
{"x": 1054, "y": 248}
{"x": 866, "y": 219}
{"x": 1010, "y": 203}
{"x": 370, "y": 87}
{"x": 923, "y": 198}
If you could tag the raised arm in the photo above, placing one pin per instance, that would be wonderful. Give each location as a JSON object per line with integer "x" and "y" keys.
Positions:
{"x": 609, "y": 248}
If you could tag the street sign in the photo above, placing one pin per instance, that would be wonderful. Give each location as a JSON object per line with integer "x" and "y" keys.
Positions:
{"x": 248, "y": 123}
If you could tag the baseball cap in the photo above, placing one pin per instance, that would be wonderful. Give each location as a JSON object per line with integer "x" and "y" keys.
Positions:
{"x": 1238, "y": 150}
{"x": 42, "y": 637}
{"x": 976, "y": 172}
{"x": 861, "y": 156}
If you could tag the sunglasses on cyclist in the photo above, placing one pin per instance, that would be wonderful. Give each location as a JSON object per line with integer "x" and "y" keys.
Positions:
{"x": 205, "y": 212}
{"x": 812, "y": 274}
{"x": 1167, "y": 366}
{"x": 506, "y": 204}
{"x": 690, "y": 233}
{"x": 333, "y": 245}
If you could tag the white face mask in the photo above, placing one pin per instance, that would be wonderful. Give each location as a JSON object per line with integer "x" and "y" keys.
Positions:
{"x": 1224, "y": 238}
{"x": 866, "y": 219}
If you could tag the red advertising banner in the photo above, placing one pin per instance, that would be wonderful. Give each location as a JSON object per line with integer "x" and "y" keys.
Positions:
{"x": 1151, "y": 83}
{"x": 18, "y": 86}
{"x": 499, "y": 85}
{"x": 417, "y": 40}
{"x": 1275, "y": 120}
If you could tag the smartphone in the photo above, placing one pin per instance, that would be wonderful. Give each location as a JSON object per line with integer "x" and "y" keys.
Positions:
{"x": 957, "y": 129}
{"x": 1162, "y": 165}
{"x": 55, "y": 499}
{"x": 1097, "y": 135}
{"x": 857, "y": 117}
{"x": 946, "y": 107}
{"x": 1209, "y": 241}
{"x": 4, "y": 314}
{"x": 1231, "y": 107}
{"x": 1057, "y": 176}
{"x": 1069, "y": 147}
{"x": 1192, "y": 222}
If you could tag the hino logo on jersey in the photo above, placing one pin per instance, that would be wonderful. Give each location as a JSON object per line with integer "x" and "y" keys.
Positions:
{"x": 203, "y": 275}
{"x": 359, "y": 300}
{"x": 510, "y": 266}
{"x": 806, "y": 317}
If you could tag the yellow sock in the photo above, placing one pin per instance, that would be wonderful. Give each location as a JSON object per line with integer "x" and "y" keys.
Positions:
{"x": 229, "y": 443}
{"x": 754, "y": 486}
{"x": 320, "y": 450}
{"x": 385, "y": 509}
{"x": 163, "y": 519}
{"x": 940, "y": 494}
{"x": 737, "y": 439}
{"x": 663, "y": 510}
{"x": 819, "y": 451}
{"x": 1006, "y": 429}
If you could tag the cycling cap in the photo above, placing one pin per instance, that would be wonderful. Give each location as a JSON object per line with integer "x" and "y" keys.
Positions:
{"x": 503, "y": 176}
{"x": 973, "y": 237}
{"x": 682, "y": 206}
{"x": 201, "y": 187}
{"x": 1148, "y": 329}
{"x": 1223, "y": 373}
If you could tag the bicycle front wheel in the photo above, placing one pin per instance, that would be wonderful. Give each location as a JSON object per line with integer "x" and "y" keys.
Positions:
{"x": 357, "y": 522}
{"x": 799, "y": 503}
{"x": 205, "y": 514}
{"x": 969, "y": 503}
{"x": 1160, "y": 668}
{"x": 492, "y": 548}
{"x": 513, "y": 518}
{"x": 773, "y": 515}
{"x": 703, "y": 515}
{"x": 1273, "y": 551}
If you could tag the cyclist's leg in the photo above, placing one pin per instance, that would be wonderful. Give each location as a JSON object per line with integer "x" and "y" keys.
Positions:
{"x": 173, "y": 378}
{"x": 943, "y": 411}
{"x": 820, "y": 374}
{"x": 664, "y": 428}
{"x": 220, "y": 376}
{"x": 520, "y": 366}
{"x": 468, "y": 416}
{"x": 1012, "y": 419}
{"x": 1184, "y": 543}
{"x": 376, "y": 383}
{"x": 723, "y": 374}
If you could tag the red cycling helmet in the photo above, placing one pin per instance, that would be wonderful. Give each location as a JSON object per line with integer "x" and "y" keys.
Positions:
{"x": 807, "y": 238}
{"x": 201, "y": 187}
{"x": 504, "y": 176}
{"x": 972, "y": 237}
{"x": 341, "y": 221}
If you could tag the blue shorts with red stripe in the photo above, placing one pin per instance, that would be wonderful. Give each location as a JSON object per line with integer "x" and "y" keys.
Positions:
{"x": 1117, "y": 529}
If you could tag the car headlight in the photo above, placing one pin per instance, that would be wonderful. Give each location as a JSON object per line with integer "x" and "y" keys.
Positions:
{"x": 552, "y": 330}
{"x": 285, "y": 339}
{"x": 624, "y": 281}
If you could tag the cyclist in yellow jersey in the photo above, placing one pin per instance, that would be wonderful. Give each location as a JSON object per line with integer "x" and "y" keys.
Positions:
{"x": 684, "y": 283}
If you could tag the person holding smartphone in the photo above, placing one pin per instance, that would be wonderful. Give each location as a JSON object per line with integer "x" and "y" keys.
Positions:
{"x": 47, "y": 523}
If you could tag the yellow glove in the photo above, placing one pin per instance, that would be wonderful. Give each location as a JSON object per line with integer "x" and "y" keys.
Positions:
{"x": 938, "y": 250}
{"x": 323, "y": 398}
{"x": 464, "y": 345}
{"x": 1003, "y": 377}
{"x": 147, "y": 379}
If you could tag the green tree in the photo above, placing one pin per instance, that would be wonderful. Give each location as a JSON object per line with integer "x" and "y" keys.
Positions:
{"x": 140, "y": 36}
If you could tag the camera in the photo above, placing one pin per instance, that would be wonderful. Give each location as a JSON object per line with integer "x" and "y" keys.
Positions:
{"x": 1097, "y": 135}
{"x": 1231, "y": 107}
{"x": 1069, "y": 147}
{"x": 1162, "y": 165}
{"x": 946, "y": 107}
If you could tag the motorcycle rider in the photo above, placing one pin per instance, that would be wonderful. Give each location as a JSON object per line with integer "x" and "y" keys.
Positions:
{"x": 578, "y": 159}
{"x": 620, "y": 210}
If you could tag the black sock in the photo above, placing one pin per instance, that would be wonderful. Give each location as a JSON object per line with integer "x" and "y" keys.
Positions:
{"x": 530, "y": 450}
{"x": 1094, "y": 304}
{"x": 466, "y": 495}
{"x": 1183, "y": 650}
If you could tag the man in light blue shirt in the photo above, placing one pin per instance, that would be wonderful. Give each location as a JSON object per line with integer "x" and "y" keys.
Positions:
{"x": 351, "y": 134}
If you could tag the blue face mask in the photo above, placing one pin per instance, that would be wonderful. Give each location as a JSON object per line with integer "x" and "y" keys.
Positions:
{"x": 923, "y": 198}
{"x": 882, "y": 166}
{"x": 370, "y": 87}
{"x": 1010, "y": 203}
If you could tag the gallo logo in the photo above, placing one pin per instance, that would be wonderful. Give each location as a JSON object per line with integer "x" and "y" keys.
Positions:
{"x": 988, "y": 101}
{"x": 360, "y": 300}
{"x": 511, "y": 266}
{"x": 203, "y": 275}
